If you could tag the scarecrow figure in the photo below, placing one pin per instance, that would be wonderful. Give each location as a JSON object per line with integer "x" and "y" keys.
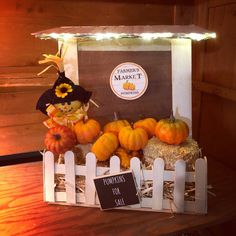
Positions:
{"x": 65, "y": 103}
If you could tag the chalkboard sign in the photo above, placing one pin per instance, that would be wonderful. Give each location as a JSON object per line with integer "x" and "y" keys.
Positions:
{"x": 116, "y": 190}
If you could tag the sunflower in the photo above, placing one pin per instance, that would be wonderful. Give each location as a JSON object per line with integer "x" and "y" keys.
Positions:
{"x": 62, "y": 90}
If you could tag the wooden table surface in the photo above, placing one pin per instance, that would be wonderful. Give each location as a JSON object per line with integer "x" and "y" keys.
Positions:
{"x": 23, "y": 212}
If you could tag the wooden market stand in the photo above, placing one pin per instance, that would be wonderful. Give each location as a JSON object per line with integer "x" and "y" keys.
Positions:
{"x": 23, "y": 211}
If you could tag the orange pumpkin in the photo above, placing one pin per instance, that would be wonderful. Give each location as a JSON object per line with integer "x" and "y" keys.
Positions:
{"x": 60, "y": 139}
{"x": 148, "y": 124}
{"x": 87, "y": 131}
{"x": 105, "y": 146}
{"x": 133, "y": 139}
{"x": 115, "y": 126}
{"x": 125, "y": 156}
{"x": 172, "y": 131}
{"x": 128, "y": 86}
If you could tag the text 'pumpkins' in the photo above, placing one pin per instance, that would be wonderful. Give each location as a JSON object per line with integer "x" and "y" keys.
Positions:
{"x": 105, "y": 146}
{"x": 87, "y": 131}
{"x": 60, "y": 139}
{"x": 172, "y": 131}
{"x": 133, "y": 139}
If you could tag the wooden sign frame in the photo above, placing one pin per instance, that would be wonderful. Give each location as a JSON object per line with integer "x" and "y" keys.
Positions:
{"x": 116, "y": 190}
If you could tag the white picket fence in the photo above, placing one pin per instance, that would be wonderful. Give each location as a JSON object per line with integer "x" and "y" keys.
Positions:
{"x": 158, "y": 175}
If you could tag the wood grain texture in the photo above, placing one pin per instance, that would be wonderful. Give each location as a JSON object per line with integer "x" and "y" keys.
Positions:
{"x": 23, "y": 212}
{"x": 227, "y": 93}
{"x": 222, "y": 19}
{"x": 20, "y": 52}
{"x": 17, "y": 17}
{"x": 22, "y": 138}
{"x": 95, "y": 74}
{"x": 218, "y": 130}
{"x": 215, "y": 81}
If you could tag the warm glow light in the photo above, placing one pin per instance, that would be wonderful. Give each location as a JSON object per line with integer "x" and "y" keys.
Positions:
{"x": 68, "y": 36}
{"x": 64, "y": 36}
{"x": 101, "y": 36}
{"x": 54, "y": 35}
{"x": 144, "y": 36}
{"x": 195, "y": 36}
{"x": 198, "y": 37}
{"x": 150, "y": 36}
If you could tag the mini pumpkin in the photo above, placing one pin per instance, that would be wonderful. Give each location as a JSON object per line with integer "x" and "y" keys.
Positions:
{"x": 60, "y": 139}
{"x": 133, "y": 139}
{"x": 125, "y": 156}
{"x": 105, "y": 146}
{"x": 87, "y": 131}
{"x": 115, "y": 126}
{"x": 148, "y": 124}
{"x": 171, "y": 130}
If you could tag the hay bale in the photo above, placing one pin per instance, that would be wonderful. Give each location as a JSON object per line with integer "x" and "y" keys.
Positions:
{"x": 187, "y": 151}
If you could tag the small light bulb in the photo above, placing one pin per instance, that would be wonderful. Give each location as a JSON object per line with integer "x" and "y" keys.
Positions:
{"x": 54, "y": 35}
{"x": 67, "y": 36}
{"x": 196, "y": 36}
{"x": 147, "y": 36}
{"x": 101, "y": 36}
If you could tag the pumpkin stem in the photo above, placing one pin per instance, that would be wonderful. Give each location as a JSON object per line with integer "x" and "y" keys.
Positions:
{"x": 57, "y": 136}
{"x": 115, "y": 116}
{"x": 172, "y": 118}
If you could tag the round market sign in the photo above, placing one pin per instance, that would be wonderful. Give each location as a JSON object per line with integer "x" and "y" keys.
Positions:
{"x": 128, "y": 81}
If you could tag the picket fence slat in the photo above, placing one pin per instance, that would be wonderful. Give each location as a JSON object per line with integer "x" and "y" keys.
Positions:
{"x": 70, "y": 177}
{"x": 49, "y": 182}
{"x": 179, "y": 185}
{"x": 90, "y": 175}
{"x": 158, "y": 175}
{"x": 135, "y": 166}
{"x": 114, "y": 165}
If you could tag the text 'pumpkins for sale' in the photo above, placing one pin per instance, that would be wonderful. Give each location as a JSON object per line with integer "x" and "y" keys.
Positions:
{"x": 87, "y": 131}
{"x": 59, "y": 139}
{"x": 133, "y": 139}
{"x": 172, "y": 131}
{"x": 105, "y": 146}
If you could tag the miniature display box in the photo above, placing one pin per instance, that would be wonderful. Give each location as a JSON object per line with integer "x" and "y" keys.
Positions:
{"x": 92, "y": 55}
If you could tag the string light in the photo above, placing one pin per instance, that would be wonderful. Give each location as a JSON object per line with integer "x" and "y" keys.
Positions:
{"x": 144, "y": 36}
{"x": 150, "y": 36}
{"x": 102, "y": 36}
{"x": 198, "y": 37}
{"x": 65, "y": 36}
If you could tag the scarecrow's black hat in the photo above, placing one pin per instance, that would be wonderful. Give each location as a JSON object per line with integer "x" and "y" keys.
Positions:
{"x": 63, "y": 90}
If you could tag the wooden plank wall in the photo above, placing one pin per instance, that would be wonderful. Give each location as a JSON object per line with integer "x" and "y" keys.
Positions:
{"x": 214, "y": 82}
{"x": 21, "y": 128}
{"x": 157, "y": 100}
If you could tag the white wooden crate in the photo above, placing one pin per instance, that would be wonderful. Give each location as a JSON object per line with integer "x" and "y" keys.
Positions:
{"x": 158, "y": 175}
